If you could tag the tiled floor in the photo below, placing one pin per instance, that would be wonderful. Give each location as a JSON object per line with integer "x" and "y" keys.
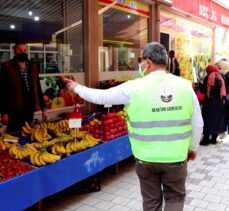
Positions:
{"x": 207, "y": 186}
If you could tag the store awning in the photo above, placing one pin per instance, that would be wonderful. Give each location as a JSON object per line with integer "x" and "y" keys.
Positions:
{"x": 207, "y": 10}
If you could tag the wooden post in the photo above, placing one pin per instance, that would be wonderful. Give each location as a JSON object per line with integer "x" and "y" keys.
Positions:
{"x": 91, "y": 44}
{"x": 154, "y": 23}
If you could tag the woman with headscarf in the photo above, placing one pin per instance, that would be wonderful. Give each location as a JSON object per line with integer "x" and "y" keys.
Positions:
{"x": 213, "y": 107}
{"x": 224, "y": 69}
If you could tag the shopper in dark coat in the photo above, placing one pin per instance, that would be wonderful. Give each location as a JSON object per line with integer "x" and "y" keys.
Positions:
{"x": 223, "y": 66}
{"x": 213, "y": 107}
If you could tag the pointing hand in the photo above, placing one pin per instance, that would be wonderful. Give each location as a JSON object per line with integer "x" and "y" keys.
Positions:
{"x": 70, "y": 84}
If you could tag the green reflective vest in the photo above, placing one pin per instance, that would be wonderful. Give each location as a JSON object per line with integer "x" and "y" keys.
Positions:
{"x": 159, "y": 117}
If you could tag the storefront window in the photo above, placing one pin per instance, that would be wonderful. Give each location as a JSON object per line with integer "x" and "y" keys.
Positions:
{"x": 123, "y": 31}
{"x": 52, "y": 29}
{"x": 222, "y": 43}
{"x": 193, "y": 45}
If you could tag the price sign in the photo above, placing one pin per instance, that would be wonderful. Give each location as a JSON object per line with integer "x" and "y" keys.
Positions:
{"x": 107, "y": 106}
{"x": 75, "y": 123}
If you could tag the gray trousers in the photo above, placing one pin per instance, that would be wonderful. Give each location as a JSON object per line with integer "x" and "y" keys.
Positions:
{"x": 160, "y": 181}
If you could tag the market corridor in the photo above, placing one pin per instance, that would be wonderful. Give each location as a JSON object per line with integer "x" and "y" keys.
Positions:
{"x": 207, "y": 186}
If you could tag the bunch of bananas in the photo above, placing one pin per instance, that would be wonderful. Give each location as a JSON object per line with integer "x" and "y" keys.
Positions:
{"x": 21, "y": 152}
{"x": 63, "y": 126}
{"x": 42, "y": 157}
{"x": 76, "y": 146}
{"x": 50, "y": 125}
{"x": 78, "y": 134}
{"x": 58, "y": 149}
{"x": 91, "y": 138}
{"x": 40, "y": 134}
{"x": 26, "y": 130}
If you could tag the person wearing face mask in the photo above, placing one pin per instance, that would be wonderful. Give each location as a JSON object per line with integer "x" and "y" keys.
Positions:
{"x": 20, "y": 90}
{"x": 164, "y": 126}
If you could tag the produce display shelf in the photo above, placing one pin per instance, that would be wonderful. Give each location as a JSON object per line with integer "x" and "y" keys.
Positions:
{"x": 27, "y": 189}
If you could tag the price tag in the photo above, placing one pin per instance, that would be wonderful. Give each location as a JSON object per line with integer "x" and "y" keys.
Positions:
{"x": 107, "y": 106}
{"x": 75, "y": 123}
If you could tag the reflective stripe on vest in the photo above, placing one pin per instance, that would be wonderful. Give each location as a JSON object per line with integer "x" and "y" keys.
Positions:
{"x": 168, "y": 123}
{"x": 170, "y": 137}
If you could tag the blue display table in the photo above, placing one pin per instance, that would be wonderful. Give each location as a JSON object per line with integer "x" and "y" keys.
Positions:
{"x": 23, "y": 191}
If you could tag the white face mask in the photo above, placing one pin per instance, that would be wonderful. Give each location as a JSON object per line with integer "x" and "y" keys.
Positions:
{"x": 140, "y": 71}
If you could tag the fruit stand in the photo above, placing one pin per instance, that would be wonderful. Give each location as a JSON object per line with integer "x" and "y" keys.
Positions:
{"x": 29, "y": 188}
{"x": 48, "y": 157}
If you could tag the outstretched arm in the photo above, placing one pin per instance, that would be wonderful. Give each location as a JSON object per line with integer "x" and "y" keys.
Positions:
{"x": 116, "y": 95}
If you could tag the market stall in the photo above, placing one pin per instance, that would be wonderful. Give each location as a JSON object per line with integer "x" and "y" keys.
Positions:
{"x": 29, "y": 188}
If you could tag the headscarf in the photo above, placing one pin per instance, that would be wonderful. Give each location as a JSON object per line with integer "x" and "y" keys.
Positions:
{"x": 223, "y": 65}
{"x": 213, "y": 72}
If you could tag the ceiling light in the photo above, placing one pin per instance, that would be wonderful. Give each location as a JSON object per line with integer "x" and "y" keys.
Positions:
{"x": 12, "y": 26}
{"x": 30, "y": 13}
{"x": 36, "y": 18}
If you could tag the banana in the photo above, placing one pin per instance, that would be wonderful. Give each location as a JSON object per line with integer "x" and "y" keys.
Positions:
{"x": 68, "y": 148}
{"x": 32, "y": 158}
{"x": 66, "y": 138}
{"x": 60, "y": 124}
{"x": 18, "y": 153}
{"x": 28, "y": 126}
{"x": 46, "y": 158}
{"x": 30, "y": 146}
{"x": 60, "y": 149}
{"x": 76, "y": 146}
{"x": 11, "y": 150}
{"x": 91, "y": 138}
{"x": 40, "y": 158}
{"x": 49, "y": 158}
{"x": 78, "y": 134}
{"x": 38, "y": 135}
{"x": 26, "y": 151}
{"x": 43, "y": 124}
{"x": 66, "y": 123}
{"x": 15, "y": 152}
{"x": 26, "y": 130}
{"x": 32, "y": 136}
{"x": 84, "y": 144}
{"x": 54, "y": 149}
{"x": 36, "y": 159}
{"x": 72, "y": 146}
{"x": 55, "y": 157}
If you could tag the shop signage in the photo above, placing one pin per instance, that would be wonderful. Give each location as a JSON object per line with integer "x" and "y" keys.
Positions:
{"x": 204, "y": 9}
{"x": 130, "y": 6}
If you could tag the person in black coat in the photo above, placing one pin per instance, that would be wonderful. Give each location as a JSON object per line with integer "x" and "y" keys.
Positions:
{"x": 174, "y": 64}
{"x": 224, "y": 68}
{"x": 213, "y": 107}
{"x": 20, "y": 90}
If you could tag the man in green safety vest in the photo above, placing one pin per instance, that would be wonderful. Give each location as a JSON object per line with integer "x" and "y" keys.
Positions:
{"x": 164, "y": 126}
